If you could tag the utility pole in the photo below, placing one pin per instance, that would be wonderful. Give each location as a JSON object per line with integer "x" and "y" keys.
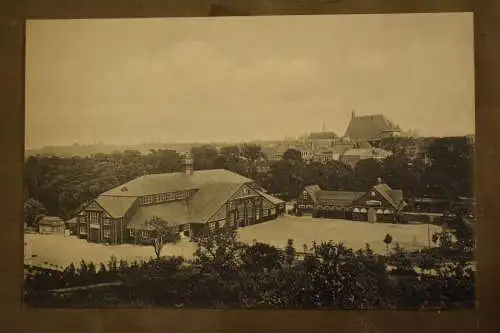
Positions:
{"x": 429, "y": 234}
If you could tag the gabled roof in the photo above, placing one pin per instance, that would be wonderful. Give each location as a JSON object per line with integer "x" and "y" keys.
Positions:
{"x": 51, "y": 220}
{"x": 270, "y": 198}
{"x": 312, "y": 190}
{"x": 322, "y": 136}
{"x": 174, "y": 213}
{"x": 338, "y": 197}
{"x": 205, "y": 203}
{"x": 174, "y": 181}
{"x": 367, "y": 127}
{"x": 197, "y": 209}
{"x": 214, "y": 188}
{"x": 394, "y": 197}
{"x": 116, "y": 206}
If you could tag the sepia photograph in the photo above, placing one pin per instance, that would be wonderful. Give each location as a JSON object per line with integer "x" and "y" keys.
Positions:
{"x": 265, "y": 162}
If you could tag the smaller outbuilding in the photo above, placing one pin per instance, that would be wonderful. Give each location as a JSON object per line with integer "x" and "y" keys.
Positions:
{"x": 51, "y": 225}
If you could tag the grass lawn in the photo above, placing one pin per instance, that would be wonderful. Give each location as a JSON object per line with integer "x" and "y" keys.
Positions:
{"x": 305, "y": 230}
{"x": 61, "y": 251}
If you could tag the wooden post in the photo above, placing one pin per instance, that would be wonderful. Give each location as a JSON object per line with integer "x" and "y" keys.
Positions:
{"x": 429, "y": 235}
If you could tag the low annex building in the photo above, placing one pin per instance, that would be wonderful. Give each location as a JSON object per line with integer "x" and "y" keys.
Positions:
{"x": 188, "y": 201}
{"x": 379, "y": 204}
{"x": 51, "y": 225}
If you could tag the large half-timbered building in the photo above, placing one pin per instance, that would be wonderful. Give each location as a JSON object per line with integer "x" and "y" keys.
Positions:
{"x": 379, "y": 204}
{"x": 188, "y": 200}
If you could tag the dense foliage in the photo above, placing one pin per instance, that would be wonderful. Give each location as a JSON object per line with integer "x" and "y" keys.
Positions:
{"x": 227, "y": 273}
{"x": 58, "y": 186}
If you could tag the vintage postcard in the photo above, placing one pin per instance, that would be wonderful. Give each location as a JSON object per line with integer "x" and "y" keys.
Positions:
{"x": 312, "y": 162}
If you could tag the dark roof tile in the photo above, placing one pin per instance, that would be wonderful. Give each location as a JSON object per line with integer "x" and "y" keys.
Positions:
{"x": 367, "y": 127}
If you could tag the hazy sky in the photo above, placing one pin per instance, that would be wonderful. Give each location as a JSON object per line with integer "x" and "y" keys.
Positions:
{"x": 232, "y": 79}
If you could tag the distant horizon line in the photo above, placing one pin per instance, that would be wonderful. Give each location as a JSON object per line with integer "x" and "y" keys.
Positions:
{"x": 100, "y": 143}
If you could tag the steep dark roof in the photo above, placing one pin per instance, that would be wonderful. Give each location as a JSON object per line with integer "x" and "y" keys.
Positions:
{"x": 270, "y": 198}
{"x": 322, "y": 136}
{"x": 394, "y": 197}
{"x": 367, "y": 127}
{"x": 341, "y": 198}
{"x": 116, "y": 206}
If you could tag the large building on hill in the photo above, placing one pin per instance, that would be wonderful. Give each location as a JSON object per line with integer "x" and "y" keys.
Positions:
{"x": 379, "y": 204}
{"x": 188, "y": 200}
{"x": 364, "y": 128}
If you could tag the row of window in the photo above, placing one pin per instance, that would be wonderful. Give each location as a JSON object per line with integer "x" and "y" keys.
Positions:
{"x": 84, "y": 231}
{"x": 164, "y": 197}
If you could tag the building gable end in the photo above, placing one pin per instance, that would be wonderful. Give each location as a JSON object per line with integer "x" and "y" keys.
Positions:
{"x": 243, "y": 191}
{"x": 371, "y": 197}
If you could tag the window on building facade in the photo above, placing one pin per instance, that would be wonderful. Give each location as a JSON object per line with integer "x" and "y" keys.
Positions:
{"x": 107, "y": 221}
{"x": 107, "y": 233}
{"x": 83, "y": 229}
{"x": 94, "y": 218}
{"x": 170, "y": 196}
{"x": 131, "y": 232}
{"x": 148, "y": 199}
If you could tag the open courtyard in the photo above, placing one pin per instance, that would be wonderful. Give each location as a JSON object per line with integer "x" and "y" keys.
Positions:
{"x": 61, "y": 251}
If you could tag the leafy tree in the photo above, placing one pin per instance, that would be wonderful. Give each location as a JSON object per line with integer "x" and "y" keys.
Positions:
{"x": 162, "y": 160}
{"x": 366, "y": 173}
{"x": 218, "y": 248}
{"x": 292, "y": 154}
{"x": 160, "y": 233}
{"x": 252, "y": 153}
{"x": 230, "y": 152}
{"x": 426, "y": 261}
{"x": 204, "y": 157}
{"x": 290, "y": 252}
{"x": 113, "y": 264}
{"x": 33, "y": 212}
{"x": 388, "y": 241}
{"x": 451, "y": 173}
{"x": 262, "y": 257}
{"x": 404, "y": 265}
{"x": 401, "y": 173}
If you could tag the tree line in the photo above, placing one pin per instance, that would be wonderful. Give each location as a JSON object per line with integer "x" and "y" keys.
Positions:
{"x": 226, "y": 273}
{"x": 60, "y": 185}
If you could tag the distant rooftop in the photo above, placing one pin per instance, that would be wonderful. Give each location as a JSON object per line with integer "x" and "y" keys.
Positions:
{"x": 322, "y": 136}
{"x": 369, "y": 126}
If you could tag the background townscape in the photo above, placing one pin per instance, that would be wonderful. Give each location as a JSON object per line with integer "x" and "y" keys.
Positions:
{"x": 423, "y": 257}
{"x": 313, "y": 162}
